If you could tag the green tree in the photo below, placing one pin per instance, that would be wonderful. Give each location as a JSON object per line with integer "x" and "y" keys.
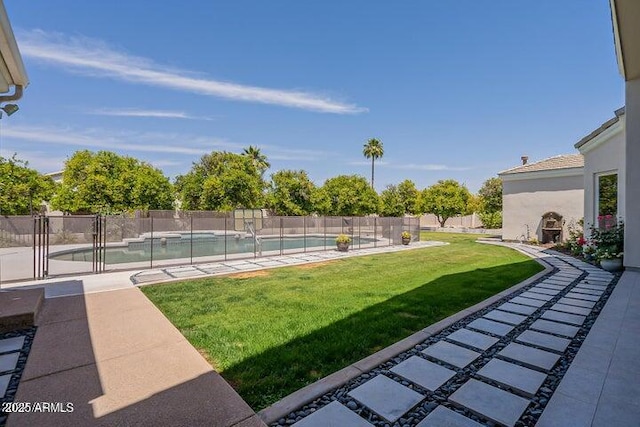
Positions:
{"x": 346, "y": 195}
{"x": 105, "y": 182}
{"x": 258, "y": 159}
{"x": 22, "y": 189}
{"x": 290, "y": 193}
{"x": 409, "y": 194}
{"x": 221, "y": 181}
{"x": 491, "y": 195}
{"x": 444, "y": 199}
{"x": 391, "y": 202}
{"x": 490, "y": 203}
{"x": 373, "y": 150}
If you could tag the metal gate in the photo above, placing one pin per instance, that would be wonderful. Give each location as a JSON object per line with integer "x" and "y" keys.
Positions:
{"x": 68, "y": 244}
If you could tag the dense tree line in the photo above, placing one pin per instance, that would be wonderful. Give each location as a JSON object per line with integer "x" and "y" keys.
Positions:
{"x": 105, "y": 182}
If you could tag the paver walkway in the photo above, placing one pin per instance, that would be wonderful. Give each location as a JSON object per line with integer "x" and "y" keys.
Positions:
{"x": 501, "y": 360}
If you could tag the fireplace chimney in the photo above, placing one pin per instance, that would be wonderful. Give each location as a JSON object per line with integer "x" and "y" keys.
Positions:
{"x": 524, "y": 159}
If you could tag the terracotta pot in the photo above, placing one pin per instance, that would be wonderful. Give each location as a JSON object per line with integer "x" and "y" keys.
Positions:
{"x": 613, "y": 264}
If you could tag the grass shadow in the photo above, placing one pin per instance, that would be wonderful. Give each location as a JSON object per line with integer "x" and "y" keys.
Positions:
{"x": 267, "y": 377}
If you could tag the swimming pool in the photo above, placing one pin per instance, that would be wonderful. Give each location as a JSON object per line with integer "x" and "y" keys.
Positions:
{"x": 199, "y": 245}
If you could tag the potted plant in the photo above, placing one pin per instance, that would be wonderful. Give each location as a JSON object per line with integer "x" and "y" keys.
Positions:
{"x": 609, "y": 243}
{"x": 610, "y": 260}
{"x": 406, "y": 237}
{"x": 342, "y": 242}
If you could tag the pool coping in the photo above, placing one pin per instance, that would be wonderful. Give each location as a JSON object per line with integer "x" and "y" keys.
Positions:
{"x": 317, "y": 389}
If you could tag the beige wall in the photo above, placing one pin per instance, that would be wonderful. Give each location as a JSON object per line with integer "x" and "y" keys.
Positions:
{"x": 632, "y": 189}
{"x": 606, "y": 157}
{"x": 524, "y": 201}
{"x": 467, "y": 221}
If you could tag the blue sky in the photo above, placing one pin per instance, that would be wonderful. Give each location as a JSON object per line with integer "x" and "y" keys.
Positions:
{"x": 457, "y": 89}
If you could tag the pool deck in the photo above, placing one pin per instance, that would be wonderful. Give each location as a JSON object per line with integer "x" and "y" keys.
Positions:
{"x": 121, "y": 362}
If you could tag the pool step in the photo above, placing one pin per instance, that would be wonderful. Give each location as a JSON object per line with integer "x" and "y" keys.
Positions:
{"x": 19, "y": 308}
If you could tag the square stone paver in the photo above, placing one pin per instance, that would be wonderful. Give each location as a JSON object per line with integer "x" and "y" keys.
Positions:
{"x": 8, "y": 362}
{"x": 473, "y": 339}
{"x": 503, "y": 316}
{"x": 386, "y": 397}
{"x": 490, "y": 326}
{"x": 571, "y": 309}
{"x": 516, "y": 377}
{"x": 577, "y": 302}
{"x": 544, "y": 340}
{"x": 555, "y": 328}
{"x": 541, "y": 290}
{"x": 11, "y": 344}
{"x": 551, "y": 286}
{"x": 518, "y": 308}
{"x": 334, "y": 414}
{"x": 186, "y": 273}
{"x": 586, "y": 297}
{"x": 444, "y": 417}
{"x": 426, "y": 374}
{"x": 490, "y": 402}
{"x": 592, "y": 287}
{"x": 451, "y": 353}
{"x": 535, "y": 295}
{"x": 4, "y": 383}
{"x": 530, "y": 356}
{"x": 528, "y": 301}
{"x": 574, "y": 319}
{"x": 587, "y": 291}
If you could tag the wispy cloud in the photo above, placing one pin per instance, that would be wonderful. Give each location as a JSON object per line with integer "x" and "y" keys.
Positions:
{"x": 429, "y": 167}
{"x": 38, "y": 160}
{"x": 368, "y": 163}
{"x": 132, "y": 112}
{"x": 147, "y": 142}
{"x": 95, "y": 58}
{"x": 96, "y": 139}
{"x": 409, "y": 166}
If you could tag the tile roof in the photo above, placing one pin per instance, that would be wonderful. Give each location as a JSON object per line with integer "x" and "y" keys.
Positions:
{"x": 564, "y": 161}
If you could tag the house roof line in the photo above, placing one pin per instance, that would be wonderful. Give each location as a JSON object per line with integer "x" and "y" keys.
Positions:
{"x": 562, "y": 161}
{"x": 606, "y": 125}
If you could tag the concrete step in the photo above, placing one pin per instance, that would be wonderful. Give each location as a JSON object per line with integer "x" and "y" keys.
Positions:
{"x": 19, "y": 308}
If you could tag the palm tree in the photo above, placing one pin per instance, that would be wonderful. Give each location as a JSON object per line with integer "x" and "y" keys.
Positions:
{"x": 258, "y": 159}
{"x": 373, "y": 150}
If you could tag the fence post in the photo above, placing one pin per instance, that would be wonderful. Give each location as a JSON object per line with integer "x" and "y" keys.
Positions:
{"x": 33, "y": 237}
{"x": 225, "y": 238}
{"x": 191, "y": 239}
{"x": 325, "y": 233}
{"x": 304, "y": 232}
{"x": 281, "y": 236}
{"x": 375, "y": 232}
{"x": 151, "y": 252}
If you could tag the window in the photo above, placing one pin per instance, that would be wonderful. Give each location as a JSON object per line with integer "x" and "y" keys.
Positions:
{"x": 607, "y": 199}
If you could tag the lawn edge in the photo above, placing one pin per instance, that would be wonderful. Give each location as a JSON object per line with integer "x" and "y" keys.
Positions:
{"x": 313, "y": 391}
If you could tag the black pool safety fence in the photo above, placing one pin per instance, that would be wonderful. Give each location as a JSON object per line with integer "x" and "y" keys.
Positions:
{"x": 37, "y": 247}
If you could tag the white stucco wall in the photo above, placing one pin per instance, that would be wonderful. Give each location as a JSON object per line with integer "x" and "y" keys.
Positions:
{"x": 524, "y": 201}
{"x": 605, "y": 156}
{"x": 632, "y": 189}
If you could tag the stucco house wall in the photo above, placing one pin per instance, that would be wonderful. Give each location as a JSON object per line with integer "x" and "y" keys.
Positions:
{"x": 604, "y": 154}
{"x": 525, "y": 199}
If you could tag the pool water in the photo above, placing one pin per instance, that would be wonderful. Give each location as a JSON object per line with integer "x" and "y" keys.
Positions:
{"x": 199, "y": 246}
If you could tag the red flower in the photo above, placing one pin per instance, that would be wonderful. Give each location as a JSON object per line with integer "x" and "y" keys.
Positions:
{"x": 581, "y": 241}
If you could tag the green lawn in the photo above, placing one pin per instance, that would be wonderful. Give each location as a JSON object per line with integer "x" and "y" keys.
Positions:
{"x": 281, "y": 329}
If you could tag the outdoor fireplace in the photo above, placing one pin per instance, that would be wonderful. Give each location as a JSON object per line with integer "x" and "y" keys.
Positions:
{"x": 551, "y": 227}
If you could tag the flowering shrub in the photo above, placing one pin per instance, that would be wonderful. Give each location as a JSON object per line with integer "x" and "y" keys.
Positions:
{"x": 343, "y": 238}
{"x": 608, "y": 239}
{"x": 406, "y": 235}
{"x": 576, "y": 239}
